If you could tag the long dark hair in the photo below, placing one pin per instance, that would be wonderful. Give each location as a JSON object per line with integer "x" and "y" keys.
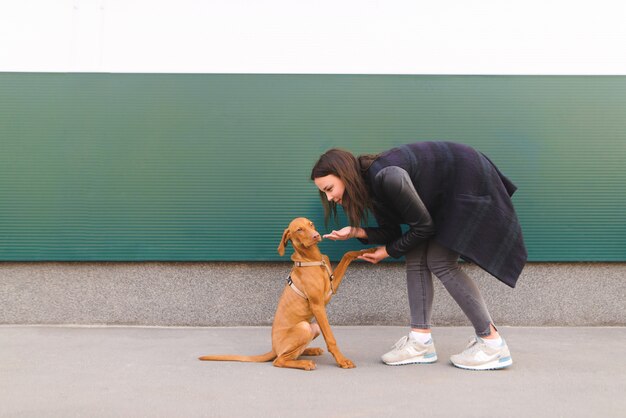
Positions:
{"x": 356, "y": 198}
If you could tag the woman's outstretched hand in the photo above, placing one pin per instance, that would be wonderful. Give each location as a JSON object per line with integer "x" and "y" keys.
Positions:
{"x": 342, "y": 234}
{"x": 375, "y": 257}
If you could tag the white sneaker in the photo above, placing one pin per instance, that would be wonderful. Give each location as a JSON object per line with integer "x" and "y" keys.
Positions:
{"x": 408, "y": 351}
{"x": 480, "y": 356}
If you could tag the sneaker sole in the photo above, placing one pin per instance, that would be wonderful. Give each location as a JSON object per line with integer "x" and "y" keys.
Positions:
{"x": 494, "y": 365}
{"x": 422, "y": 360}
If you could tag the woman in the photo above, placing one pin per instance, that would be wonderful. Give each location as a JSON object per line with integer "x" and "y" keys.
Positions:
{"x": 456, "y": 203}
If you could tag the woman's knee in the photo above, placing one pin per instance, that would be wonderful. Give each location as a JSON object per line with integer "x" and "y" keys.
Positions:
{"x": 442, "y": 262}
{"x": 416, "y": 259}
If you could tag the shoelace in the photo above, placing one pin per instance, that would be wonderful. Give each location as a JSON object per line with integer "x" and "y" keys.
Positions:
{"x": 472, "y": 346}
{"x": 401, "y": 342}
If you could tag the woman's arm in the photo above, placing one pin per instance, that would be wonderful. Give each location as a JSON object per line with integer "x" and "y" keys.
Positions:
{"x": 396, "y": 186}
{"x": 360, "y": 233}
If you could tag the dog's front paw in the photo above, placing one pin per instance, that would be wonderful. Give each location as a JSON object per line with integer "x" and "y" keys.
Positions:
{"x": 352, "y": 254}
{"x": 346, "y": 364}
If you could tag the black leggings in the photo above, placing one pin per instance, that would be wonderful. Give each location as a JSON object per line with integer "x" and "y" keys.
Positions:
{"x": 443, "y": 263}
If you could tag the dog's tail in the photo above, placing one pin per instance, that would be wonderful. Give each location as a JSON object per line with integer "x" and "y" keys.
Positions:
{"x": 228, "y": 357}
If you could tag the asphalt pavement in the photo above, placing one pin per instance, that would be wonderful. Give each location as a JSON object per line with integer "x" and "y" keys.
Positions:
{"x": 65, "y": 371}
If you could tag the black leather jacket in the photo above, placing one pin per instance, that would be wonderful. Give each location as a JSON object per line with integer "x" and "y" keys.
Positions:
{"x": 396, "y": 202}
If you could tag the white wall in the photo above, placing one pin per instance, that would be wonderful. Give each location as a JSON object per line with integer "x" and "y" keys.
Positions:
{"x": 315, "y": 36}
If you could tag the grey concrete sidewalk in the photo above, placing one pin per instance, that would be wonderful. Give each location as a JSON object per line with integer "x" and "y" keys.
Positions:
{"x": 153, "y": 372}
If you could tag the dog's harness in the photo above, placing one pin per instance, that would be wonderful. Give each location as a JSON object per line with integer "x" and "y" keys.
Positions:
{"x": 310, "y": 264}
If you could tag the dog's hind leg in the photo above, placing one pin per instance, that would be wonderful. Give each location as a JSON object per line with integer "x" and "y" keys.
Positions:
{"x": 313, "y": 352}
{"x": 315, "y": 328}
{"x": 294, "y": 344}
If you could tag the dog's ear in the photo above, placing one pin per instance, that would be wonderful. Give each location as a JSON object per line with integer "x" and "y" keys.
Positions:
{"x": 283, "y": 242}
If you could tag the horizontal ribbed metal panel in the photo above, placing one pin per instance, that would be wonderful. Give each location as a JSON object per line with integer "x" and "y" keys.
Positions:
{"x": 213, "y": 167}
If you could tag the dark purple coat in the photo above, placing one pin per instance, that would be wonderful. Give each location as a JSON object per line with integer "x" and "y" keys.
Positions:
{"x": 450, "y": 193}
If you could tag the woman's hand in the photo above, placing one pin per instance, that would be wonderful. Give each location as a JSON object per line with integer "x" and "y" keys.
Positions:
{"x": 342, "y": 234}
{"x": 375, "y": 257}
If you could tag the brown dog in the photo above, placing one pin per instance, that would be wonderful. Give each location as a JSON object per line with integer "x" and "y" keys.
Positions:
{"x": 308, "y": 290}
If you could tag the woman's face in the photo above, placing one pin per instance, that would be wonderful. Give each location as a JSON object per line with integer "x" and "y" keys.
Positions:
{"x": 332, "y": 186}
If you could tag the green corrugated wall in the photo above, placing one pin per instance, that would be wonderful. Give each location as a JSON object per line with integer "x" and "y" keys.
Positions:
{"x": 213, "y": 167}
